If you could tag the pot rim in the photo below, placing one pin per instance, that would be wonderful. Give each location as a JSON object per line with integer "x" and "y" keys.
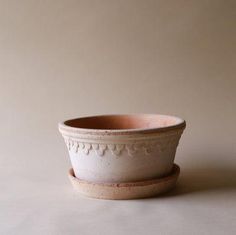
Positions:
{"x": 180, "y": 124}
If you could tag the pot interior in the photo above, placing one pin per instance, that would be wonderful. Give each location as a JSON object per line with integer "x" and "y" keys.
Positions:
{"x": 121, "y": 122}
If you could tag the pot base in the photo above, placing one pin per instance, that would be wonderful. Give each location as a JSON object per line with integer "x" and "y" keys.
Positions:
{"x": 130, "y": 190}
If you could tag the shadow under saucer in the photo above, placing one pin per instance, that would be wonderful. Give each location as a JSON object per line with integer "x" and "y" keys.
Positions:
{"x": 205, "y": 179}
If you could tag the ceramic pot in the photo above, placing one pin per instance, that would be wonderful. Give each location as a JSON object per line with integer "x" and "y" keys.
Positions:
{"x": 122, "y": 148}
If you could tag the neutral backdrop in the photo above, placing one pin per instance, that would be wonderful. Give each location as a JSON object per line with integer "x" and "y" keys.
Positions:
{"x": 68, "y": 58}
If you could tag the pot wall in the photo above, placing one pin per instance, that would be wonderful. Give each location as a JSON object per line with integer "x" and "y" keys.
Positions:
{"x": 122, "y": 158}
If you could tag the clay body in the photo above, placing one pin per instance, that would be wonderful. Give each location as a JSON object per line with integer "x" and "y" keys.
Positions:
{"x": 122, "y": 148}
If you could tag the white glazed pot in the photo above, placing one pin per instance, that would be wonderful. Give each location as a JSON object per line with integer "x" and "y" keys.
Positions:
{"x": 122, "y": 148}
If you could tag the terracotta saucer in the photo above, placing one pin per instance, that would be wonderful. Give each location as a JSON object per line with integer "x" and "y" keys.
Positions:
{"x": 129, "y": 190}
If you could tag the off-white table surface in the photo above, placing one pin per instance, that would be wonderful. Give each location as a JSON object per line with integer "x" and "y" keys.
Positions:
{"x": 62, "y": 59}
{"x": 37, "y": 198}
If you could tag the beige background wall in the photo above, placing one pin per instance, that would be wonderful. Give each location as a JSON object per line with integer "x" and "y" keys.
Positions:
{"x": 63, "y": 59}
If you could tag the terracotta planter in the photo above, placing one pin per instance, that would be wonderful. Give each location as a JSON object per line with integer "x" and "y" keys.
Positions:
{"x": 122, "y": 148}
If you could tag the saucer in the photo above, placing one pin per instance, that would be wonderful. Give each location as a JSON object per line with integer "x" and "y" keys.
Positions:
{"x": 126, "y": 190}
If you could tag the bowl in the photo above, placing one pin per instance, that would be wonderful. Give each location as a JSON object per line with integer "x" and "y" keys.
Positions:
{"x": 122, "y": 148}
